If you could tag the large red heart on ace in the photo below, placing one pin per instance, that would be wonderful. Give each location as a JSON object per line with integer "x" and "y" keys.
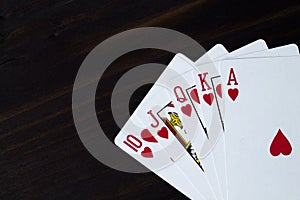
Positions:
{"x": 280, "y": 144}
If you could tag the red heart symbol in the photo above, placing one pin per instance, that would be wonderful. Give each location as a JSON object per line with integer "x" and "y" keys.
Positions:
{"x": 187, "y": 110}
{"x": 280, "y": 144}
{"x": 147, "y": 153}
{"x": 163, "y": 132}
{"x": 147, "y": 136}
{"x": 171, "y": 105}
{"x": 195, "y": 96}
{"x": 219, "y": 90}
{"x": 208, "y": 98}
{"x": 233, "y": 93}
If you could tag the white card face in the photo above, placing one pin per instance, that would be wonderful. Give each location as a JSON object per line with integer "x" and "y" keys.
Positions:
{"x": 287, "y": 50}
{"x": 218, "y": 52}
{"x": 186, "y": 95}
{"x": 256, "y": 46}
{"x": 152, "y": 155}
{"x": 182, "y": 87}
{"x": 164, "y": 147}
{"x": 167, "y": 133}
{"x": 212, "y": 55}
{"x": 209, "y": 89}
{"x": 145, "y": 146}
{"x": 262, "y": 133}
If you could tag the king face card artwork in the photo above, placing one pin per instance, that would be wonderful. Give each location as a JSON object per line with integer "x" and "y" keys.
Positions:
{"x": 262, "y": 129}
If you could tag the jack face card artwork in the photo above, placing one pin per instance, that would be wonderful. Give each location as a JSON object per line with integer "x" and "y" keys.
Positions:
{"x": 262, "y": 129}
{"x": 169, "y": 115}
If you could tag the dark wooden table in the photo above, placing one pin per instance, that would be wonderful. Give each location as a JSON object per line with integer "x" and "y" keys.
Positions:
{"x": 42, "y": 45}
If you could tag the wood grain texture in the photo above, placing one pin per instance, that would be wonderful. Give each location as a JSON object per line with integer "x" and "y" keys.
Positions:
{"x": 42, "y": 45}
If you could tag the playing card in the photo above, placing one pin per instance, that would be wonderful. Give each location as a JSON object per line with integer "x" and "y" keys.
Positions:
{"x": 209, "y": 87}
{"x": 145, "y": 148}
{"x": 157, "y": 133}
{"x": 217, "y": 53}
{"x": 179, "y": 125}
{"x": 262, "y": 140}
{"x": 259, "y": 48}
{"x": 256, "y": 49}
{"x": 287, "y": 50}
{"x": 180, "y": 84}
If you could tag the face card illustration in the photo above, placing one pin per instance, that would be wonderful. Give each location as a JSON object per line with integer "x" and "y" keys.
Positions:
{"x": 169, "y": 115}
{"x": 262, "y": 133}
{"x": 182, "y": 80}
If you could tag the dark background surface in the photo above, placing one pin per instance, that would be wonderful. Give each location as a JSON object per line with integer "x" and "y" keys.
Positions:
{"x": 42, "y": 44}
